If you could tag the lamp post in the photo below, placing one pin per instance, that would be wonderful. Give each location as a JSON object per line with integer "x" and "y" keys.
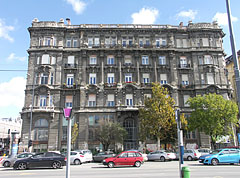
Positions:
{"x": 31, "y": 117}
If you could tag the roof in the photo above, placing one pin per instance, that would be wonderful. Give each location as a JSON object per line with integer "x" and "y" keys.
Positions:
{"x": 229, "y": 59}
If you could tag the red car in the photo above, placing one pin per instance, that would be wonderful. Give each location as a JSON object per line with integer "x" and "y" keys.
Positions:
{"x": 126, "y": 158}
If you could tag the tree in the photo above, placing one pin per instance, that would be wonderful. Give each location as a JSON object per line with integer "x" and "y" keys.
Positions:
{"x": 74, "y": 133}
{"x": 213, "y": 115}
{"x": 157, "y": 117}
{"x": 110, "y": 133}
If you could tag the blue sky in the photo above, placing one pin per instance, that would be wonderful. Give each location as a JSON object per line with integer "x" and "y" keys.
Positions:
{"x": 16, "y": 16}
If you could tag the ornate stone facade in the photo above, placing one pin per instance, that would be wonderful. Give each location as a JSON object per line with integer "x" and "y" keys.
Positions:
{"x": 104, "y": 71}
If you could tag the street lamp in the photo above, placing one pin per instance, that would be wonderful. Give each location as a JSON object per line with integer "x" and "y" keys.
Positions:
{"x": 31, "y": 114}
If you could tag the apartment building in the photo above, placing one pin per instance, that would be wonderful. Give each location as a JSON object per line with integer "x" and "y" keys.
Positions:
{"x": 104, "y": 71}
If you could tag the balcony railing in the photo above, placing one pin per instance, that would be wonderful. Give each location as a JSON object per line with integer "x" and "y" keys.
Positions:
{"x": 185, "y": 86}
{"x": 184, "y": 66}
{"x": 70, "y": 66}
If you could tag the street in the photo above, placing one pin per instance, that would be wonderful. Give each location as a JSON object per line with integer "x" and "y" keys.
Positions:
{"x": 147, "y": 170}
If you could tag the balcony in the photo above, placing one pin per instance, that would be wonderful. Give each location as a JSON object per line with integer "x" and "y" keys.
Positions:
{"x": 70, "y": 66}
{"x": 65, "y": 86}
{"x": 184, "y": 66}
{"x": 110, "y": 85}
{"x": 184, "y": 86}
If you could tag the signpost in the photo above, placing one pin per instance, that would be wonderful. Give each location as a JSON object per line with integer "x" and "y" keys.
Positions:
{"x": 67, "y": 115}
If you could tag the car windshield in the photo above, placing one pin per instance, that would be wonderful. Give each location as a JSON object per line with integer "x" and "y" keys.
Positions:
{"x": 215, "y": 151}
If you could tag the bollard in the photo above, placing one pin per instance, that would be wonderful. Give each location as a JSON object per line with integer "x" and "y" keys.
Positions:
{"x": 186, "y": 172}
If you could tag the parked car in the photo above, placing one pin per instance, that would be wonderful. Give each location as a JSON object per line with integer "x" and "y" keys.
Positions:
{"x": 204, "y": 151}
{"x": 126, "y": 158}
{"x": 76, "y": 158}
{"x": 191, "y": 154}
{"x": 9, "y": 161}
{"x": 87, "y": 155}
{"x": 103, "y": 155}
{"x": 48, "y": 159}
{"x": 202, "y": 158}
{"x": 229, "y": 156}
{"x": 161, "y": 155}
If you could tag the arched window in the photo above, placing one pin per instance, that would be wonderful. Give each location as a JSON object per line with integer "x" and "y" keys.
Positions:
{"x": 41, "y": 130}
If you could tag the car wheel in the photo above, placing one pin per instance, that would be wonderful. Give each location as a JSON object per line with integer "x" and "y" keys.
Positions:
{"x": 6, "y": 164}
{"x": 56, "y": 165}
{"x": 137, "y": 164}
{"x": 189, "y": 158}
{"x": 110, "y": 164}
{"x": 162, "y": 158}
{"x": 214, "y": 162}
{"x": 77, "y": 162}
{"x": 22, "y": 166}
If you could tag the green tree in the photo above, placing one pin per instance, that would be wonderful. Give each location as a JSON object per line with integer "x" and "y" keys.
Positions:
{"x": 213, "y": 115}
{"x": 157, "y": 117}
{"x": 74, "y": 133}
{"x": 110, "y": 133}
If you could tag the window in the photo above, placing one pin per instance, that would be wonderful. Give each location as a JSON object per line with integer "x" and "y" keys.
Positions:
{"x": 147, "y": 42}
{"x": 68, "y": 43}
{"x": 130, "y": 41}
{"x": 146, "y": 78}
{"x": 184, "y": 43}
{"x": 110, "y": 78}
{"x": 96, "y": 41}
{"x": 205, "y": 42}
{"x": 50, "y": 100}
{"x": 45, "y": 59}
{"x": 44, "y": 79}
{"x": 124, "y": 42}
{"x": 183, "y": 62}
{"x": 202, "y": 79}
{"x": 110, "y": 100}
{"x": 71, "y": 61}
{"x": 141, "y": 42}
{"x": 128, "y": 78}
{"x": 129, "y": 99}
{"x": 162, "y": 60}
{"x": 52, "y": 77}
{"x": 110, "y": 60}
{"x": 91, "y": 120}
{"x": 43, "y": 101}
{"x": 208, "y": 59}
{"x": 70, "y": 78}
{"x": 93, "y": 60}
{"x": 92, "y": 78}
{"x": 47, "y": 41}
{"x": 161, "y": 42}
{"x": 185, "y": 79}
{"x": 127, "y": 60}
{"x": 200, "y": 60}
{"x": 53, "y": 60}
{"x": 163, "y": 78}
{"x": 75, "y": 43}
{"x": 185, "y": 99}
{"x": 210, "y": 78}
{"x": 92, "y": 100}
{"x": 90, "y": 42}
{"x": 68, "y": 101}
{"x": 41, "y": 130}
{"x": 145, "y": 60}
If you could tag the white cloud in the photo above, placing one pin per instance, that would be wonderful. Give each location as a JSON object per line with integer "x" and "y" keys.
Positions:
{"x": 12, "y": 93}
{"x": 78, "y": 5}
{"x": 222, "y": 18}
{"x": 187, "y": 14}
{"x": 4, "y": 31}
{"x": 145, "y": 16}
{"x": 12, "y": 57}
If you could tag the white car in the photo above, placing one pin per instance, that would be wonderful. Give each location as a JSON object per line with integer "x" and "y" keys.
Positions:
{"x": 76, "y": 158}
{"x": 161, "y": 155}
{"x": 87, "y": 155}
{"x": 191, "y": 154}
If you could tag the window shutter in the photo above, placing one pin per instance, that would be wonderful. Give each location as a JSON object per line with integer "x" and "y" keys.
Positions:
{"x": 70, "y": 59}
{"x": 110, "y": 97}
{"x": 45, "y": 59}
{"x": 92, "y": 97}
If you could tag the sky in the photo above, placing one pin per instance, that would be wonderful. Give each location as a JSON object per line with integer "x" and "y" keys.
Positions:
{"x": 17, "y": 15}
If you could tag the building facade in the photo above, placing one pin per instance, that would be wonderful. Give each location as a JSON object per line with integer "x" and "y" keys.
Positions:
{"x": 104, "y": 71}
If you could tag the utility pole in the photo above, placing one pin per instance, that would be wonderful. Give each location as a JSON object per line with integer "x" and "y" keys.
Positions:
{"x": 234, "y": 55}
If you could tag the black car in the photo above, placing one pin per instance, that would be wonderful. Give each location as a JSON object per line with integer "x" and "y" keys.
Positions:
{"x": 103, "y": 155}
{"x": 48, "y": 159}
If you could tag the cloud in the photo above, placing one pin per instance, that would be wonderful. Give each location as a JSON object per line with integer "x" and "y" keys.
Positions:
{"x": 4, "y": 31}
{"x": 187, "y": 14}
{"x": 222, "y": 18}
{"x": 145, "y": 16}
{"x": 78, "y": 5}
{"x": 12, "y": 57}
{"x": 12, "y": 93}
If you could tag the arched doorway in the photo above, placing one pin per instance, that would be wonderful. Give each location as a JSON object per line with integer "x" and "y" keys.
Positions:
{"x": 131, "y": 141}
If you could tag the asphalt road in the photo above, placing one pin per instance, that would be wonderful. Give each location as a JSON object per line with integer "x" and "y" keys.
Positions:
{"x": 147, "y": 170}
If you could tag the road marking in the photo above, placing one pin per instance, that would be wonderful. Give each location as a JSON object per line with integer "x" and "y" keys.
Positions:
{"x": 26, "y": 173}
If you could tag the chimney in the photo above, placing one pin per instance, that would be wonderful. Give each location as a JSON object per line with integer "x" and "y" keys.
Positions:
{"x": 68, "y": 21}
